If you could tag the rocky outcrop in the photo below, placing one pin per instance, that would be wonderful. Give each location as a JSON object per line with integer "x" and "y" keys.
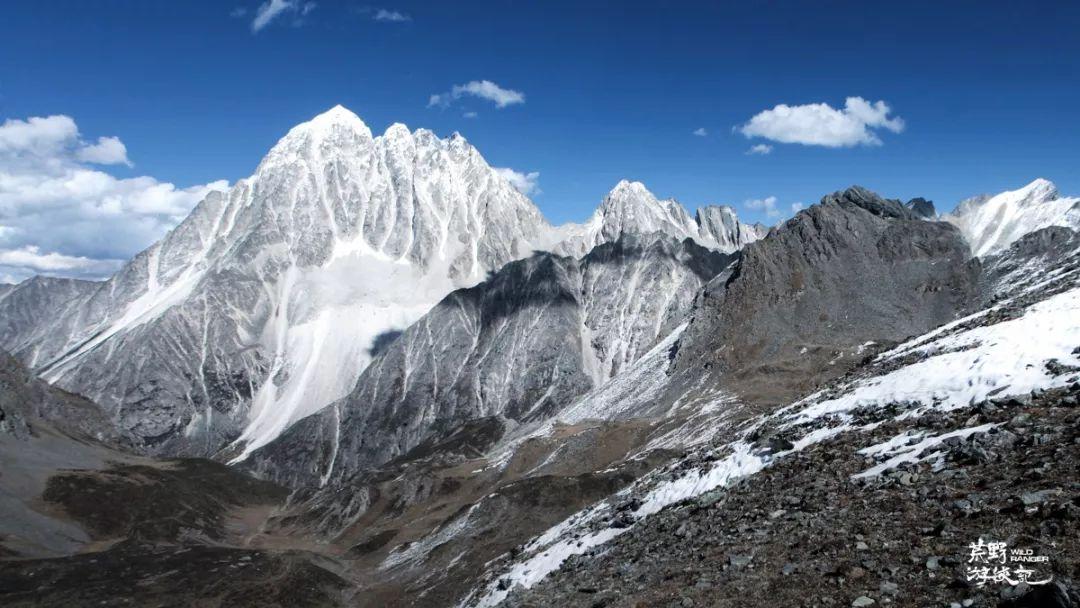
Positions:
{"x": 1030, "y": 258}
{"x": 922, "y": 208}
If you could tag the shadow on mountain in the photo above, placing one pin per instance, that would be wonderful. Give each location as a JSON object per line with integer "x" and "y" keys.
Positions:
{"x": 383, "y": 341}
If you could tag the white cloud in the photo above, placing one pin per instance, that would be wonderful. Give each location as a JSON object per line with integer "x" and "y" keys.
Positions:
{"x": 526, "y": 183}
{"x": 760, "y": 149}
{"x": 30, "y": 257}
{"x": 60, "y": 216}
{"x": 268, "y": 10}
{"x": 107, "y": 151}
{"x": 819, "y": 124}
{"x": 238, "y": 12}
{"x": 767, "y": 204}
{"x": 272, "y": 9}
{"x": 484, "y": 89}
{"x": 470, "y": 114}
{"x": 797, "y": 207}
{"x": 45, "y": 139}
{"x": 37, "y": 136}
{"x": 391, "y": 16}
{"x": 700, "y": 132}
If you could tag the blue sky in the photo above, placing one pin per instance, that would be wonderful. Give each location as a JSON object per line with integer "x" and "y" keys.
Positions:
{"x": 986, "y": 91}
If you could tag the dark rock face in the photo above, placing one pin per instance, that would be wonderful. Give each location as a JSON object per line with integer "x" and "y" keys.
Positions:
{"x": 27, "y": 403}
{"x": 1028, "y": 256}
{"x": 1053, "y": 239}
{"x": 521, "y": 345}
{"x": 922, "y": 207}
{"x": 162, "y": 576}
{"x": 158, "y": 502}
{"x": 852, "y": 269}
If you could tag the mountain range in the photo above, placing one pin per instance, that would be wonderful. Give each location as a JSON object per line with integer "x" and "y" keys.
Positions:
{"x": 265, "y": 304}
{"x": 373, "y": 372}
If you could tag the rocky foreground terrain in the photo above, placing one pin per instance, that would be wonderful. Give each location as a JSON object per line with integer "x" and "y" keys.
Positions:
{"x": 808, "y": 531}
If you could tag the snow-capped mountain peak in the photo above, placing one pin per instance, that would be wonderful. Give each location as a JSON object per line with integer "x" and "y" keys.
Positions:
{"x": 627, "y": 190}
{"x": 334, "y": 123}
{"x": 336, "y": 117}
{"x": 1040, "y": 189}
{"x": 721, "y": 229}
{"x": 265, "y": 303}
{"x": 398, "y": 132}
{"x": 992, "y": 223}
{"x": 630, "y": 208}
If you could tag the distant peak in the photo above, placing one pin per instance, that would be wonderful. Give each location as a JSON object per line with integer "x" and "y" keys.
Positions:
{"x": 1042, "y": 189}
{"x": 626, "y": 185}
{"x": 338, "y": 113}
{"x": 336, "y": 124}
{"x": 1038, "y": 191}
{"x": 922, "y": 207}
{"x": 626, "y": 192}
{"x": 336, "y": 117}
{"x": 398, "y": 130}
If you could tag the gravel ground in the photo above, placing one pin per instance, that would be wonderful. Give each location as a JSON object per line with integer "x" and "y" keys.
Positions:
{"x": 805, "y": 532}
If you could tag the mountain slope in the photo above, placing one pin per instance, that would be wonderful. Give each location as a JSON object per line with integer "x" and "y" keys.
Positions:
{"x": 622, "y": 393}
{"x": 30, "y": 311}
{"x": 798, "y": 309}
{"x": 520, "y": 346}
